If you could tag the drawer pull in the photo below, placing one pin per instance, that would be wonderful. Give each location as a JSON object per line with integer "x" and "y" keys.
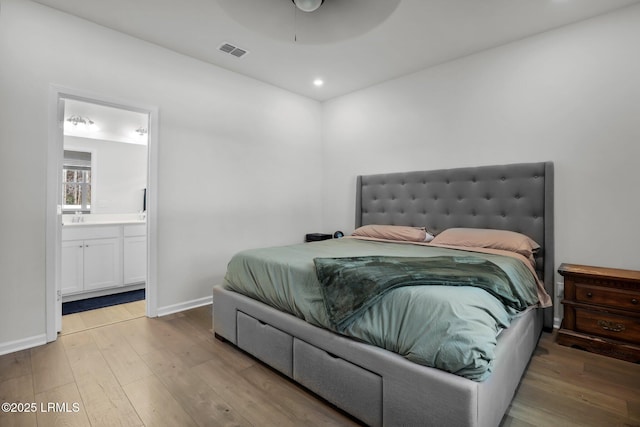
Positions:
{"x": 634, "y": 301}
{"x": 589, "y": 294}
{"x": 610, "y": 326}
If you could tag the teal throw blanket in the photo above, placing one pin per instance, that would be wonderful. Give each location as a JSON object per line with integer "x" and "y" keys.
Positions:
{"x": 353, "y": 284}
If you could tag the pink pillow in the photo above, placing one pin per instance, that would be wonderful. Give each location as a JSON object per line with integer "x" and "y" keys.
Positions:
{"x": 394, "y": 232}
{"x": 488, "y": 238}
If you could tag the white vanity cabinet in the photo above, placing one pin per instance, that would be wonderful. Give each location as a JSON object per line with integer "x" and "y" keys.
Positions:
{"x": 135, "y": 253}
{"x": 72, "y": 280}
{"x": 102, "y": 263}
{"x": 101, "y": 259}
{"x": 90, "y": 264}
{"x": 91, "y": 258}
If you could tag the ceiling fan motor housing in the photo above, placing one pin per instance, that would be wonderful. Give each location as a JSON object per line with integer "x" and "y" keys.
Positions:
{"x": 308, "y": 5}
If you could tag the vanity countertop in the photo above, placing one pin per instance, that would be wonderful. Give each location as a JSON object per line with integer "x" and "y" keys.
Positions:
{"x": 90, "y": 220}
{"x": 102, "y": 222}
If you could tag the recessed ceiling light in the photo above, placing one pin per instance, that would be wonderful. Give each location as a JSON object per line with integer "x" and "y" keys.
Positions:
{"x": 318, "y": 82}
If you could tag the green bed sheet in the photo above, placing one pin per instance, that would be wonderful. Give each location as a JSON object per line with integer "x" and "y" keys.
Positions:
{"x": 453, "y": 328}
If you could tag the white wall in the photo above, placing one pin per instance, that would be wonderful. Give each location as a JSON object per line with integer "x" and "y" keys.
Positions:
{"x": 233, "y": 155}
{"x": 571, "y": 96}
{"x": 233, "y": 152}
{"x": 120, "y": 174}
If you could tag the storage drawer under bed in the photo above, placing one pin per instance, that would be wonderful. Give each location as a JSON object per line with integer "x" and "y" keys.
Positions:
{"x": 265, "y": 342}
{"x": 348, "y": 386}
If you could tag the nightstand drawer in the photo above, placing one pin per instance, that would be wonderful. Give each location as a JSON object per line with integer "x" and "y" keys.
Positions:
{"x": 608, "y": 325}
{"x": 618, "y": 298}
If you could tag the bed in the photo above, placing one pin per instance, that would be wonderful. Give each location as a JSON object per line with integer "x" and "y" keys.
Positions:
{"x": 381, "y": 387}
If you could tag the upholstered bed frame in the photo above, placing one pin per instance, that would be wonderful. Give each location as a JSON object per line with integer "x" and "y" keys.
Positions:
{"x": 378, "y": 386}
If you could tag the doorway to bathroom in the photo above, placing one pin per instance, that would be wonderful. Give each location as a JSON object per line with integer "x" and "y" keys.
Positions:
{"x": 100, "y": 222}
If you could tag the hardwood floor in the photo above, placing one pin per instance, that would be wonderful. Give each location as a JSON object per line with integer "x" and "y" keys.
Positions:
{"x": 77, "y": 322}
{"x": 171, "y": 371}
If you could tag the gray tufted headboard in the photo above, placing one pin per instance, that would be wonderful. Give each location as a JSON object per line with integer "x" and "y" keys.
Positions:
{"x": 517, "y": 197}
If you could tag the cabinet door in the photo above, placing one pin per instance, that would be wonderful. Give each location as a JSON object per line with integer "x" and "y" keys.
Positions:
{"x": 135, "y": 259}
{"x": 72, "y": 267}
{"x": 102, "y": 263}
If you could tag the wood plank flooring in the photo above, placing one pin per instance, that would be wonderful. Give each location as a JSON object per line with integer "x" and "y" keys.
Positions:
{"x": 105, "y": 316}
{"x": 122, "y": 368}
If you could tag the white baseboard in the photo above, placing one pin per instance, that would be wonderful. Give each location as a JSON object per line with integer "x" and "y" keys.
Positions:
{"x": 187, "y": 305}
{"x": 24, "y": 343}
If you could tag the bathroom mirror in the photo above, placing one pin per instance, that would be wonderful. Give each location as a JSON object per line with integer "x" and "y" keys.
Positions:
{"x": 105, "y": 159}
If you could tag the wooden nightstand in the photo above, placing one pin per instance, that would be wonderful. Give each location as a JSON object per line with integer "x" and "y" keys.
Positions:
{"x": 601, "y": 310}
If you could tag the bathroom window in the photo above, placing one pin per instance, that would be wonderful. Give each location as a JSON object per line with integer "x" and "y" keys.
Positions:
{"x": 76, "y": 182}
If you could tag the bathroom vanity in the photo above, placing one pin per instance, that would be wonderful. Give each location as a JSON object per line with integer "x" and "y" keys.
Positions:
{"x": 101, "y": 257}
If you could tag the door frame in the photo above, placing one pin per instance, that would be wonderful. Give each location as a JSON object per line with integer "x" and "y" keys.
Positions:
{"x": 53, "y": 240}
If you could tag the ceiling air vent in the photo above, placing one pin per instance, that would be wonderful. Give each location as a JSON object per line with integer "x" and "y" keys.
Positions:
{"x": 232, "y": 50}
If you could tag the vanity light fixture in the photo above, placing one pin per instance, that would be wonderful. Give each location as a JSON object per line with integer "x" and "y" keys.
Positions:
{"x": 76, "y": 120}
{"x": 308, "y": 5}
{"x": 318, "y": 82}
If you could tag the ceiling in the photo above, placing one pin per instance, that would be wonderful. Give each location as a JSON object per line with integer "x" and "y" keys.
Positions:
{"x": 355, "y": 45}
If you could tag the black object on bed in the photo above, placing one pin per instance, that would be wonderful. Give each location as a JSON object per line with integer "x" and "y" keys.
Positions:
{"x": 317, "y": 237}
